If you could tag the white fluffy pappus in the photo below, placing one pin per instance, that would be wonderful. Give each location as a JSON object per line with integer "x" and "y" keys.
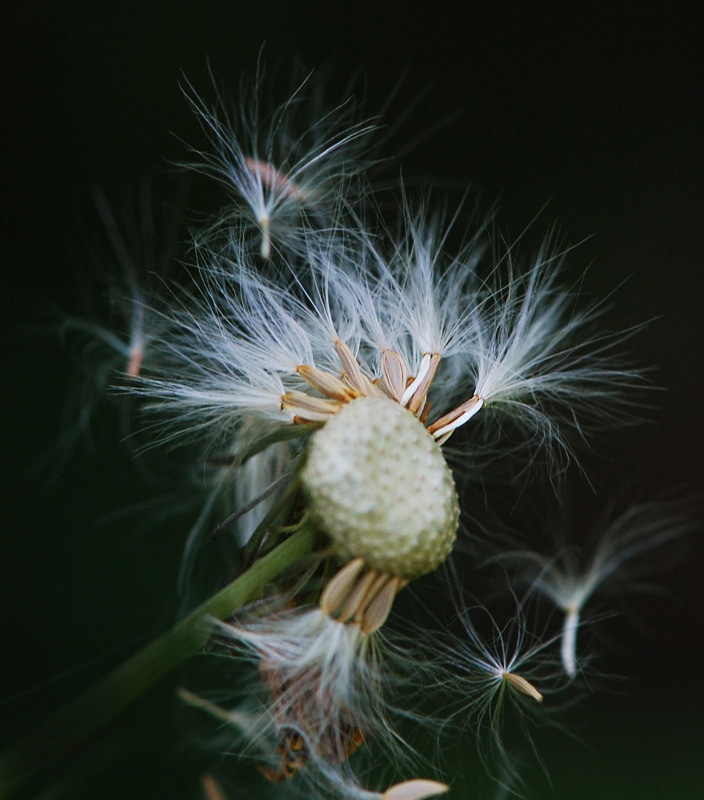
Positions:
{"x": 512, "y": 342}
{"x": 539, "y": 358}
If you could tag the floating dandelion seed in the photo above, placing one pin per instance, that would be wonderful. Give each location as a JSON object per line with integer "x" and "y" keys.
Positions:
{"x": 506, "y": 666}
{"x": 284, "y": 167}
{"x": 143, "y": 250}
{"x": 131, "y": 258}
{"x": 573, "y": 575}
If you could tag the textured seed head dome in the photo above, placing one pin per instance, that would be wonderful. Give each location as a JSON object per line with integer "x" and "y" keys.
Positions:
{"x": 379, "y": 485}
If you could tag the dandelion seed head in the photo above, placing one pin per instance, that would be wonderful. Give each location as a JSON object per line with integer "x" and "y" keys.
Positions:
{"x": 326, "y": 359}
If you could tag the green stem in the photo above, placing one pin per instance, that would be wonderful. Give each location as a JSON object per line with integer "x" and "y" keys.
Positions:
{"x": 67, "y": 730}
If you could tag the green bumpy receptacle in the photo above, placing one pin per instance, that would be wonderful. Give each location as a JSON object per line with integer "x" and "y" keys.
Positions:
{"x": 379, "y": 486}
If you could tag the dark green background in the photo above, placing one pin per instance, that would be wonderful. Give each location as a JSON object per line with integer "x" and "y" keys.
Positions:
{"x": 599, "y": 113}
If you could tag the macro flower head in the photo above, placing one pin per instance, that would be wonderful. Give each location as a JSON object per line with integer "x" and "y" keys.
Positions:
{"x": 386, "y": 348}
